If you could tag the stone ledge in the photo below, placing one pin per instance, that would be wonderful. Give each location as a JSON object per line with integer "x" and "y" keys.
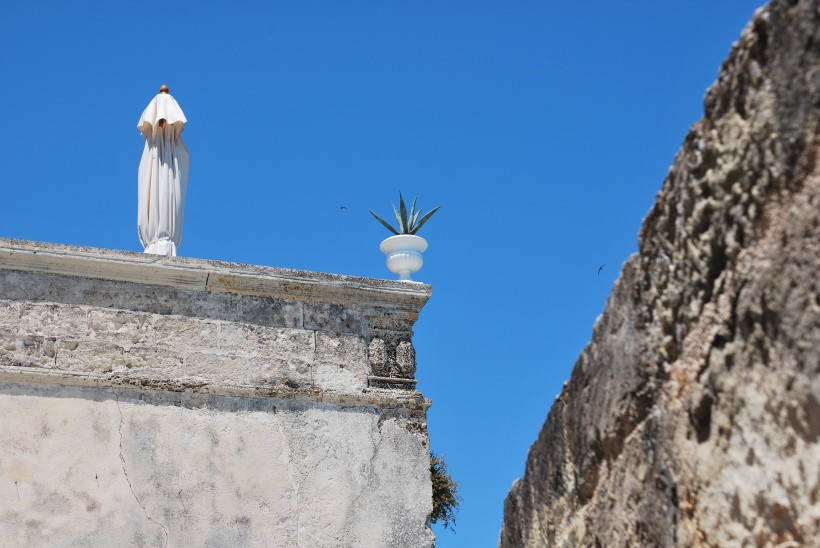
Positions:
{"x": 370, "y": 397}
{"x": 374, "y": 381}
{"x": 178, "y": 323}
{"x": 209, "y": 275}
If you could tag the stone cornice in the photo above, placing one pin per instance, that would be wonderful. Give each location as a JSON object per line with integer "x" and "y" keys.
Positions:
{"x": 211, "y": 276}
{"x": 370, "y": 397}
{"x": 75, "y": 315}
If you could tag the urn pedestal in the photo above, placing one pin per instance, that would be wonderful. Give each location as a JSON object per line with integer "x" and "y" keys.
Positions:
{"x": 404, "y": 254}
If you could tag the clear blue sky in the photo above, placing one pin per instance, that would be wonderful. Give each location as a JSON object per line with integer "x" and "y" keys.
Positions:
{"x": 544, "y": 129}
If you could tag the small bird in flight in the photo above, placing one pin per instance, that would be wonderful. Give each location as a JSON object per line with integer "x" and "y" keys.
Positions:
{"x": 342, "y": 208}
{"x": 600, "y": 269}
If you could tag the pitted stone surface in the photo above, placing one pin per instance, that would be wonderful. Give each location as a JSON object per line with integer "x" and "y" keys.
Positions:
{"x": 692, "y": 418}
{"x": 406, "y": 359}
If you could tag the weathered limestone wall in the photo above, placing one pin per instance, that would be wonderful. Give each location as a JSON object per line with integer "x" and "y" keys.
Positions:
{"x": 178, "y": 402}
{"x": 692, "y": 418}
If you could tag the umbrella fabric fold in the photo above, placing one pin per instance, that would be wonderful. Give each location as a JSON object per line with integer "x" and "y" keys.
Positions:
{"x": 163, "y": 176}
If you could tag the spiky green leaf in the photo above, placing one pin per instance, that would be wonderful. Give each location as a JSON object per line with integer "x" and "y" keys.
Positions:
{"x": 399, "y": 220}
{"x": 414, "y": 219}
{"x": 385, "y": 223}
{"x": 403, "y": 208}
{"x": 424, "y": 219}
{"x": 408, "y": 222}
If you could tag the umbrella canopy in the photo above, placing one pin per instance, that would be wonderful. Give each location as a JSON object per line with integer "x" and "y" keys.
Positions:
{"x": 163, "y": 176}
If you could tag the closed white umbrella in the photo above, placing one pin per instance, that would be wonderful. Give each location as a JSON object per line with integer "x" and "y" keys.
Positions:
{"x": 163, "y": 176}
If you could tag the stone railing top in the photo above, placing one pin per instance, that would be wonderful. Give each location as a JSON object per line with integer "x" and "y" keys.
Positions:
{"x": 79, "y": 315}
{"x": 210, "y": 275}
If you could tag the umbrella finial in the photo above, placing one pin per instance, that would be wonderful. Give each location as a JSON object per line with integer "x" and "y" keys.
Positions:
{"x": 163, "y": 88}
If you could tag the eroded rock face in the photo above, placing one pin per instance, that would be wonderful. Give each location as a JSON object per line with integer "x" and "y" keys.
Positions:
{"x": 693, "y": 415}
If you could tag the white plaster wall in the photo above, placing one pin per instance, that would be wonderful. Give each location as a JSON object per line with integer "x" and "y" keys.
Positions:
{"x": 115, "y": 467}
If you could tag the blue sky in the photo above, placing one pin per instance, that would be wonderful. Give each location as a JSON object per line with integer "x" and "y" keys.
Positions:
{"x": 544, "y": 130}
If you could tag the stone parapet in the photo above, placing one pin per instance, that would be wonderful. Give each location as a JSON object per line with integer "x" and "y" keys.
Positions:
{"x": 130, "y": 318}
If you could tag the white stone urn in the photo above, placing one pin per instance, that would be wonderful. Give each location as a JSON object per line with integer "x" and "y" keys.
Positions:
{"x": 404, "y": 254}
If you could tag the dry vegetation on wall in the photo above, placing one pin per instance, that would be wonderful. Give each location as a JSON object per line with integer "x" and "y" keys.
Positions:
{"x": 445, "y": 493}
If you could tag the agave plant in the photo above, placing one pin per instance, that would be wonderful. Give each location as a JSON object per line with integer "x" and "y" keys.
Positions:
{"x": 409, "y": 223}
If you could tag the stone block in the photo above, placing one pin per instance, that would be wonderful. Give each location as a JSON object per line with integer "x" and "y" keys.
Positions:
{"x": 13, "y": 285}
{"x": 341, "y": 362}
{"x": 158, "y": 358}
{"x": 291, "y": 371}
{"x": 27, "y": 350}
{"x": 89, "y": 356}
{"x": 120, "y": 327}
{"x": 8, "y": 345}
{"x": 217, "y": 366}
{"x": 272, "y": 312}
{"x": 237, "y": 338}
{"x": 382, "y": 319}
{"x": 340, "y": 349}
{"x": 9, "y": 316}
{"x": 185, "y": 333}
{"x": 247, "y": 309}
{"x": 339, "y": 378}
{"x": 53, "y": 320}
{"x": 243, "y": 370}
{"x": 280, "y": 343}
{"x": 333, "y": 317}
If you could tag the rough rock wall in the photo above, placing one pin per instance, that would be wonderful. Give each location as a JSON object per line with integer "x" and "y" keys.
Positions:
{"x": 692, "y": 417}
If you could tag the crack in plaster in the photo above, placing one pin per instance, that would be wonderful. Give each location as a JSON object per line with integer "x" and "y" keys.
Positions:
{"x": 303, "y": 477}
{"x": 127, "y": 479}
{"x": 295, "y": 484}
{"x": 328, "y": 451}
{"x": 376, "y": 445}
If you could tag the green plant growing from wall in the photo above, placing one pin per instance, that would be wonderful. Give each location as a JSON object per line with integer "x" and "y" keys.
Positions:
{"x": 445, "y": 493}
{"x": 409, "y": 222}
